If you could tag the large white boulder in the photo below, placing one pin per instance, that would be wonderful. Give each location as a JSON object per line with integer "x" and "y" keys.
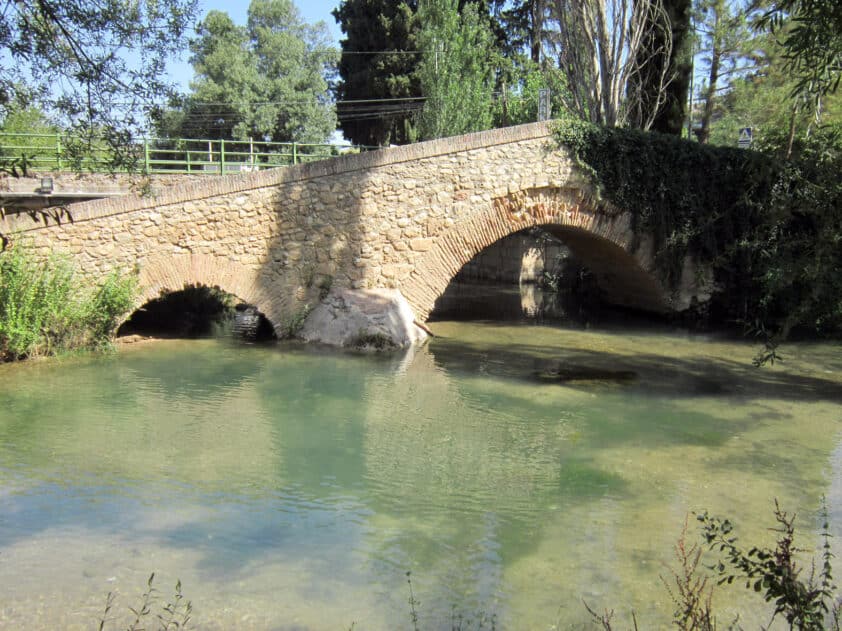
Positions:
{"x": 378, "y": 319}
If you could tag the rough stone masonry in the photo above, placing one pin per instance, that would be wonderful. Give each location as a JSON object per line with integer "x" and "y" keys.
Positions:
{"x": 405, "y": 218}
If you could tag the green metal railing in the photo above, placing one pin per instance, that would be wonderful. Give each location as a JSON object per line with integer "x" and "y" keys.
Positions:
{"x": 60, "y": 152}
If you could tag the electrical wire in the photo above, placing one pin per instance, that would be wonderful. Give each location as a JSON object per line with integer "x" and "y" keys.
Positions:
{"x": 348, "y": 110}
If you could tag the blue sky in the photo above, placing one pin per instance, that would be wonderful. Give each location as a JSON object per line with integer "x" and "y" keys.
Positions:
{"x": 312, "y": 11}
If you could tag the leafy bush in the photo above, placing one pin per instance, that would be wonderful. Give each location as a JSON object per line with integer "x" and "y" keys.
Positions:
{"x": 113, "y": 299}
{"x": 45, "y": 307}
{"x": 770, "y": 229}
{"x": 799, "y": 250}
{"x": 807, "y": 603}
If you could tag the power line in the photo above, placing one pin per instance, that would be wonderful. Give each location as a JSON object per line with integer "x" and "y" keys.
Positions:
{"x": 381, "y": 52}
{"x": 293, "y": 101}
{"x": 348, "y": 110}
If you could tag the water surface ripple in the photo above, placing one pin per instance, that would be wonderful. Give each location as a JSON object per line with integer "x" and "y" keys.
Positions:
{"x": 514, "y": 470}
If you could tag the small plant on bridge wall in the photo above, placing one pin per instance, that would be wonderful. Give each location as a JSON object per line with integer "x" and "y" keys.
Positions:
{"x": 291, "y": 327}
{"x": 46, "y": 307}
{"x": 325, "y": 283}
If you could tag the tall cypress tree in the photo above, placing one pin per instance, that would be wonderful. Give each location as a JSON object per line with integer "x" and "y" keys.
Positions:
{"x": 376, "y": 68}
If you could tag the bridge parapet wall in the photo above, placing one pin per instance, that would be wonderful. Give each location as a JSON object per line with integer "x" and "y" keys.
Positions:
{"x": 108, "y": 183}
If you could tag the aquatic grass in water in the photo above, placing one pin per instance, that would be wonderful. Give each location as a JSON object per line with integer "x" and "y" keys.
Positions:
{"x": 174, "y": 614}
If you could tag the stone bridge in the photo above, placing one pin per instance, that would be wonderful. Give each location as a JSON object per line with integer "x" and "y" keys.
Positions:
{"x": 407, "y": 218}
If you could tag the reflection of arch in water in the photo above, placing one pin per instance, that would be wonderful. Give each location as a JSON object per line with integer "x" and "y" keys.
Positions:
{"x": 196, "y": 278}
{"x": 602, "y": 239}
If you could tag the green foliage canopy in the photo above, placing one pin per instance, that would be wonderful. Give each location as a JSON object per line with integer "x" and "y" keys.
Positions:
{"x": 457, "y": 69}
{"x": 728, "y": 50}
{"x": 25, "y": 126}
{"x": 99, "y": 65}
{"x": 813, "y": 44}
{"x": 520, "y": 82}
{"x": 771, "y": 230}
{"x": 763, "y": 100}
{"x": 266, "y": 80}
{"x": 46, "y": 307}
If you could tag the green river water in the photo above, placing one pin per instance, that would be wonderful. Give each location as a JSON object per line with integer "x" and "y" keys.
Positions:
{"x": 292, "y": 488}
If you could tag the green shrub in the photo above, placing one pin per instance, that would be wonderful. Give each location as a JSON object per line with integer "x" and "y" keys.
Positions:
{"x": 770, "y": 229}
{"x": 46, "y": 307}
{"x": 113, "y": 299}
{"x": 806, "y": 600}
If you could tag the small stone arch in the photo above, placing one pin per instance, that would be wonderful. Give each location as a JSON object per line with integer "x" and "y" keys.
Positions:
{"x": 167, "y": 273}
{"x": 601, "y": 238}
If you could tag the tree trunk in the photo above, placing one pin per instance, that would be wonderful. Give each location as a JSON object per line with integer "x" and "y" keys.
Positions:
{"x": 536, "y": 14}
{"x": 710, "y": 93}
{"x": 670, "y": 116}
{"x": 791, "y": 139}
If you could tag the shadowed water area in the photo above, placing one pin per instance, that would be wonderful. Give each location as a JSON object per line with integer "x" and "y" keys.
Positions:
{"x": 292, "y": 488}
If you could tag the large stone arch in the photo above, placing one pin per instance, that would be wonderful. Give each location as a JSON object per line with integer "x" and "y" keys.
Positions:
{"x": 601, "y": 238}
{"x": 167, "y": 272}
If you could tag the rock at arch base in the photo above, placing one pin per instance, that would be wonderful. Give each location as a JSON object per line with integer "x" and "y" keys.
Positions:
{"x": 359, "y": 318}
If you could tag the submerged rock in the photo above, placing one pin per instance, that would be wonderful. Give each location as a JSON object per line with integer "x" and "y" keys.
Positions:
{"x": 567, "y": 374}
{"x": 372, "y": 319}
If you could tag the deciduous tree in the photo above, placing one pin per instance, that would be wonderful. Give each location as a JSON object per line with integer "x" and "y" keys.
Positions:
{"x": 658, "y": 58}
{"x": 813, "y": 42}
{"x": 457, "y": 69}
{"x": 727, "y": 52}
{"x": 606, "y": 46}
{"x": 99, "y": 64}
{"x": 761, "y": 98}
{"x": 267, "y": 80}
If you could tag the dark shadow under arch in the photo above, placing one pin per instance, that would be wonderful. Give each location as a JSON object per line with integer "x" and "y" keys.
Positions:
{"x": 551, "y": 272}
{"x": 197, "y": 311}
{"x": 619, "y": 275}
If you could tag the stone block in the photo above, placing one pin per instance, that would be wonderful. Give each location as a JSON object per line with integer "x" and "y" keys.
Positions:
{"x": 422, "y": 244}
